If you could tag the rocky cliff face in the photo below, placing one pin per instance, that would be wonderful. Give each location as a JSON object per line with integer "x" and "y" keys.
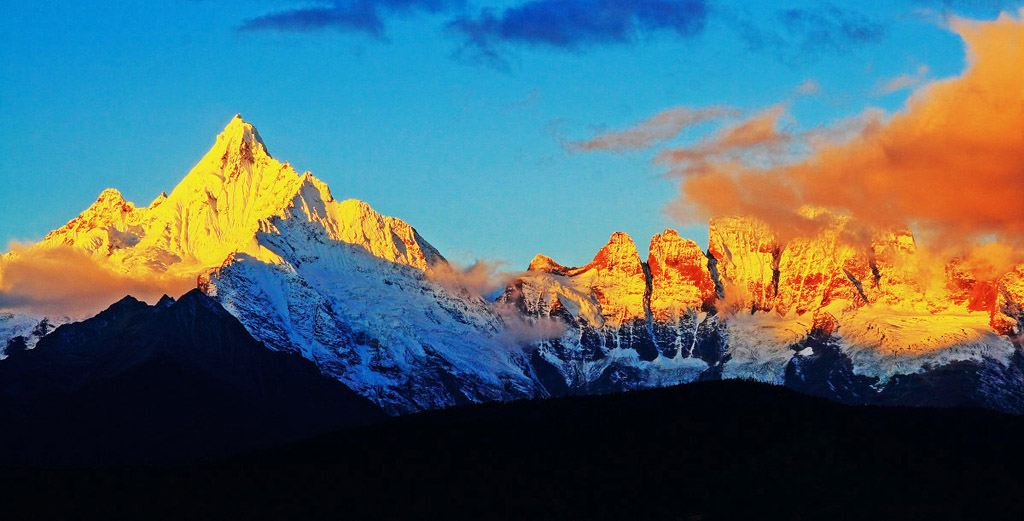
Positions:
{"x": 680, "y": 278}
{"x": 631, "y": 323}
{"x": 816, "y": 272}
{"x": 747, "y": 259}
{"x": 1007, "y": 315}
{"x": 859, "y": 311}
{"x": 614, "y": 283}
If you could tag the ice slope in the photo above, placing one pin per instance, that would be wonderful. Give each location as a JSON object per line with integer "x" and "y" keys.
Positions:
{"x": 381, "y": 327}
{"x": 23, "y": 330}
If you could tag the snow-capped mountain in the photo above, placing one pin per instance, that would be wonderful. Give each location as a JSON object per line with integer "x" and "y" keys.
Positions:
{"x": 333, "y": 280}
{"x": 217, "y": 210}
{"x": 815, "y": 313}
{"x": 362, "y": 296}
{"x": 381, "y": 326}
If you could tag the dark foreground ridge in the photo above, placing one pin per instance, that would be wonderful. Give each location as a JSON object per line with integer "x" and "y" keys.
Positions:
{"x": 170, "y": 383}
{"x": 711, "y": 450}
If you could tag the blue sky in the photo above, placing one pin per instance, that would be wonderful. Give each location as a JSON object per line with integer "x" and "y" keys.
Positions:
{"x": 454, "y": 116}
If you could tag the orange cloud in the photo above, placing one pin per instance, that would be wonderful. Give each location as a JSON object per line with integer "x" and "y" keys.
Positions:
{"x": 66, "y": 281}
{"x": 659, "y": 127}
{"x": 903, "y": 81}
{"x": 950, "y": 164}
{"x": 756, "y": 137}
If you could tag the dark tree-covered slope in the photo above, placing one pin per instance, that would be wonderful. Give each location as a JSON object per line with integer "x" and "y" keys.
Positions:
{"x": 173, "y": 382}
{"x": 710, "y": 450}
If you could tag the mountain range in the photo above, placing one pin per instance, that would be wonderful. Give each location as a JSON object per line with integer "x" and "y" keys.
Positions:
{"x": 369, "y": 304}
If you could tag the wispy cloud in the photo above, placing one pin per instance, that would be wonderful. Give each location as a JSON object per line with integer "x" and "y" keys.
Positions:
{"x": 827, "y": 26}
{"x": 572, "y": 24}
{"x": 903, "y": 82}
{"x": 67, "y": 281}
{"x": 484, "y": 279}
{"x": 345, "y": 15}
{"x": 480, "y": 279}
{"x": 808, "y": 88}
{"x": 973, "y": 8}
{"x": 803, "y": 35}
{"x": 758, "y": 130}
{"x": 659, "y": 127}
{"x": 757, "y": 135}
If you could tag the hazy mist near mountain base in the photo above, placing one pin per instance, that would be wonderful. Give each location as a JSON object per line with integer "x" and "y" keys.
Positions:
{"x": 66, "y": 281}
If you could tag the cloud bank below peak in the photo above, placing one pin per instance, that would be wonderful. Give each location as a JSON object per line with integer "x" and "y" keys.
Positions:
{"x": 67, "y": 281}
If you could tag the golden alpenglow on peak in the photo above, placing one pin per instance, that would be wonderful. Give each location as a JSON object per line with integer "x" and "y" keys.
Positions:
{"x": 616, "y": 277}
{"x": 609, "y": 290}
{"x": 746, "y": 252}
{"x": 680, "y": 279}
{"x": 228, "y": 201}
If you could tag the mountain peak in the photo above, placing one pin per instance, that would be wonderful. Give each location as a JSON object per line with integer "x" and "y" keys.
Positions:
{"x": 240, "y": 135}
{"x": 746, "y": 253}
{"x": 616, "y": 277}
{"x": 620, "y": 238}
{"x": 680, "y": 278}
{"x": 111, "y": 200}
{"x": 610, "y": 290}
{"x": 127, "y": 304}
{"x": 619, "y": 253}
{"x": 110, "y": 193}
{"x": 109, "y": 209}
{"x": 237, "y": 125}
{"x": 545, "y": 263}
{"x": 159, "y": 200}
{"x": 236, "y": 199}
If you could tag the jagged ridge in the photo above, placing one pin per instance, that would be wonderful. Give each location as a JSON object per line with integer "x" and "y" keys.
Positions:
{"x": 744, "y": 307}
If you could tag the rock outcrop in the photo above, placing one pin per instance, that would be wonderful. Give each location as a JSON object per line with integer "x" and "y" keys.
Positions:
{"x": 680, "y": 279}
{"x": 1007, "y": 315}
{"x": 746, "y": 254}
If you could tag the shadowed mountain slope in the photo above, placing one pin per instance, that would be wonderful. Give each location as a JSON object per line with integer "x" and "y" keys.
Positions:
{"x": 166, "y": 383}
